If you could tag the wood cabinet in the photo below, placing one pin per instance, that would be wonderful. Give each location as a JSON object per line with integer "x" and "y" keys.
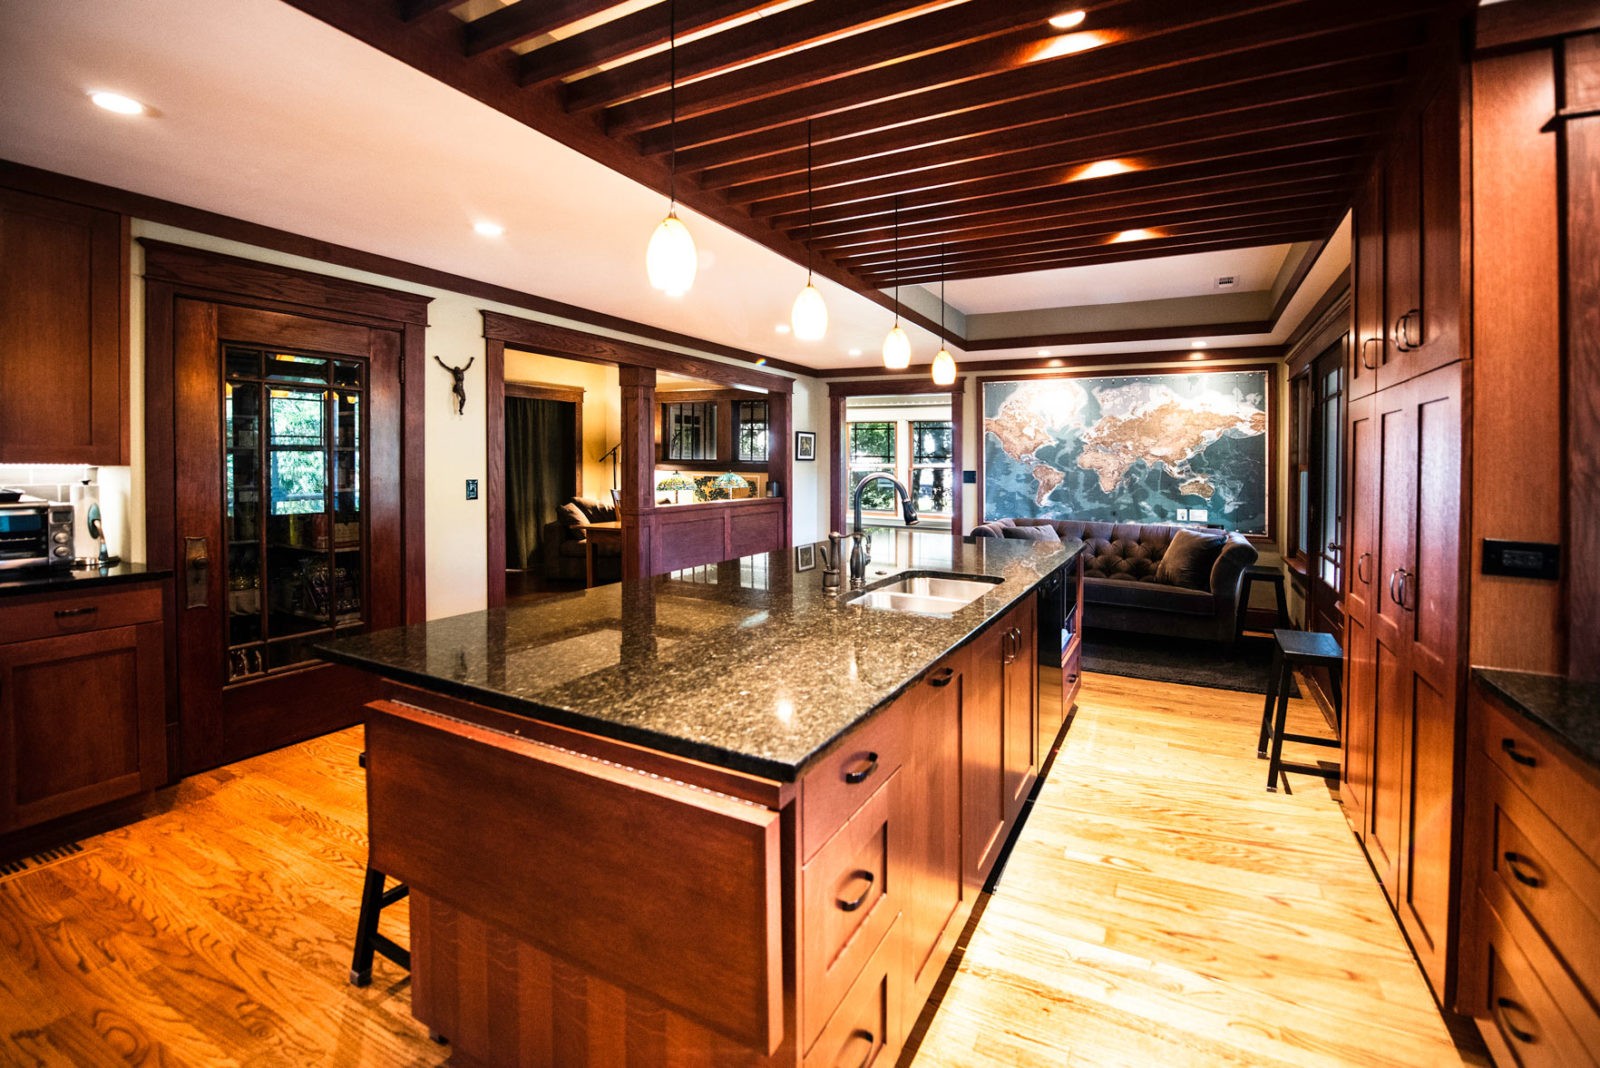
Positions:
{"x": 938, "y": 899}
{"x": 82, "y": 702}
{"x": 1367, "y": 261}
{"x": 1019, "y": 690}
{"x": 1530, "y": 962}
{"x": 64, "y": 332}
{"x": 1403, "y": 648}
{"x": 999, "y": 736}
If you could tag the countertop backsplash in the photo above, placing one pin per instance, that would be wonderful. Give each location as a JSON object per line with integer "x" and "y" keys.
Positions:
{"x": 54, "y": 482}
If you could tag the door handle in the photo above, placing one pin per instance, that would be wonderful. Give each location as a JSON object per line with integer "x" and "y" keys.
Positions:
{"x": 196, "y": 571}
{"x": 1406, "y": 602}
{"x": 1394, "y": 576}
{"x": 1361, "y": 561}
{"x": 1366, "y": 342}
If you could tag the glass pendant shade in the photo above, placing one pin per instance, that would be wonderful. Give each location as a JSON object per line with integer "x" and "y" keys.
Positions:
{"x": 671, "y": 260}
{"x": 810, "y": 315}
{"x": 944, "y": 368}
{"x": 896, "y": 349}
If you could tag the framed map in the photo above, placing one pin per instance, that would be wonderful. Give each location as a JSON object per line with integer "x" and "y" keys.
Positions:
{"x": 1138, "y": 448}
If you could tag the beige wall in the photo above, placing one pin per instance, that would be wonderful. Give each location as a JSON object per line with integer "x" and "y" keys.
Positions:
{"x": 602, "y": 408}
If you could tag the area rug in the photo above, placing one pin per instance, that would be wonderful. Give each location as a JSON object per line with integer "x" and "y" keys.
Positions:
{"x": 1193, "y": 663}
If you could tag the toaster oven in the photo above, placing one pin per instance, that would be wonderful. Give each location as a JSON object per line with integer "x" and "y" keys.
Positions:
{"x": 35, "y": 533}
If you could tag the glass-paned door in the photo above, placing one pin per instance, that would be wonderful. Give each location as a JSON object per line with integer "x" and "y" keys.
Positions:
{"x": 292, "y": 433}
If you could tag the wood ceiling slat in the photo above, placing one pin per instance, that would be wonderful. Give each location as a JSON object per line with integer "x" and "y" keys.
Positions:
{"x": 411, "y": 10}
{"x": 1245, "y": 238}
{"x": 959, "y": 254}
{"x": 943, "y": 37}
{"x": 1132, "y": 121}
{"x": 622, "y": 37}
{"x": 1123, "y": 103}
{"x": 768, "y": 36}
{"x": 1265, "y": 198}
{"x": 995, "y": 72}
{"x": 1299, "y": 122}
{"x": 1161, "y": 182}
{"x": 526, "y": 19}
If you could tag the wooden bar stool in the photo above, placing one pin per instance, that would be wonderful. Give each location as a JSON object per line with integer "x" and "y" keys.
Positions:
{"x": 1292, "y": 648}
{"x": 1261, "y": 573}
{"x": 374, "y": 899}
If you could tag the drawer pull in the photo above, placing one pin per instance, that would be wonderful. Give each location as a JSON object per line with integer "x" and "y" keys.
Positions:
{"x": 1516, "y": 861}
{"x": 1503, "y": 1007}
{"x": 68, "y": 613}
{"x": 942, "y": 677}
{"x": 1510, "y": 746}
{"x": 860, "y": 775}
{"x": 851, "y": 906}
{"x": 871, "y": 1041}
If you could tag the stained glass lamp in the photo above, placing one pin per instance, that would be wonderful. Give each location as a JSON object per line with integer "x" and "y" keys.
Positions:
{"x": 675, "y": 484}
{"x": 730, "y": 481}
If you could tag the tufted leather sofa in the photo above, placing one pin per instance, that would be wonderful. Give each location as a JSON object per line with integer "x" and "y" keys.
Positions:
{"x": 1119, "y": 570}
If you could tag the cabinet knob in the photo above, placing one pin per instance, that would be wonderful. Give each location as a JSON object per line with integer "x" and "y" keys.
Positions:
{"x": 861, "y": 774}
{"x": 1503, "y": 1008}
{"x": 1510, "y": 747}
{"x": 870, "y": 1039}
{"x": 1361, "y": 568}
{"x": 1367, "y": 343}
{"x": 866, "y": 891}
{"x": 1517, "y": 862}
{"x": 942, "y": 677}
{"x": 69, "y": 613}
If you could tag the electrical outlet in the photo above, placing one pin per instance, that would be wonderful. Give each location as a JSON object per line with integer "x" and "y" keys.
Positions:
{"x": 472, "y": 489}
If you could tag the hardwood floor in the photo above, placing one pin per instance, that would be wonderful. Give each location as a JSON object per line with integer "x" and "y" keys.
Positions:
{"x": 1160, "y": 908}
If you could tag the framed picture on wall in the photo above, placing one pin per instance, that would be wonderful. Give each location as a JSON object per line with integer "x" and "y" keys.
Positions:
{"x": 805, "y": 557}
{"x": 805, "y": 445}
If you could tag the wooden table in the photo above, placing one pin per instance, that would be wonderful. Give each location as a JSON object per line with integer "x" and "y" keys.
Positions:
{"x": 598, "y": 533}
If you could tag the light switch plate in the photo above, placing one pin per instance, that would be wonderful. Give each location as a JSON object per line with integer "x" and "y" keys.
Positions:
{"x": 472, "y": 489}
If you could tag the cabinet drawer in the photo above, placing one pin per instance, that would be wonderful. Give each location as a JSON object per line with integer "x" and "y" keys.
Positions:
{"x": 849, "y": 896}
{"x": 852, "y": 772}
{"x": 1518, "y": 1016}
{"x": 1531, "y": 865}
{"x": 866, "y": 1030}
{"x": 1523, "y": 756}
{"x": 53, "y": 614}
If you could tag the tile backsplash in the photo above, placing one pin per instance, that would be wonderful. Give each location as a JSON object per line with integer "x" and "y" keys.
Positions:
{"x": 54, "y": 482}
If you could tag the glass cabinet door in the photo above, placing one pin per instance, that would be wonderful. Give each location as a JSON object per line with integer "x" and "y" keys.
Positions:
{"x": 293, "y": 435}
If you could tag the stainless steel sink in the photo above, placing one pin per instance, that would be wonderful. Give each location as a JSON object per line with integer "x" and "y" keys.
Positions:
{"x": 927, "y": 594}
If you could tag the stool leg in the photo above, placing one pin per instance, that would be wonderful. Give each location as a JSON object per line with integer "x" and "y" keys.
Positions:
{"x": 1336, "y": 676}
{"x": 1274, "y": 765}
{"x": 1283, "y": 605}
{"x": 367, "y": 928}
{"x": 1272, "y": 694}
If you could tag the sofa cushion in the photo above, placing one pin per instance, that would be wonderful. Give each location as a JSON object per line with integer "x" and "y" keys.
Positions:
{"x": 1032, "y": 533}
{"x": 1129, "y": 593}
{"x": 1189, "y": 559}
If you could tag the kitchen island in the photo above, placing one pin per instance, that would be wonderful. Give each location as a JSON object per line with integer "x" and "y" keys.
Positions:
{"x": 718, "y": 816}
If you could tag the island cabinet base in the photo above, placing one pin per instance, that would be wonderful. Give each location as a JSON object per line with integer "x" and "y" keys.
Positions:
{"x": 577, "y": 900}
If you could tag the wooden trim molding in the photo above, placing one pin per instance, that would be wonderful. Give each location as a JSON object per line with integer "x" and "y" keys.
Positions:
{"x": 838, "y": 396}
{"x": 1529, "y": 22}
{"x": 1050, "y": 365}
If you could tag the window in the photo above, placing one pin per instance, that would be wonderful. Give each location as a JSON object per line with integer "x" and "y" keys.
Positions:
{"x": 750, "y": 431}
{"x": 691, "y": 431}
{"x": 917, "y": 452}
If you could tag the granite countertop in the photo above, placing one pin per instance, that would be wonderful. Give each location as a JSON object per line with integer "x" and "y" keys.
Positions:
{"x": 66, "y": 580}
{"x": 746, "y": 664}
{"x": 1569, "y": 709}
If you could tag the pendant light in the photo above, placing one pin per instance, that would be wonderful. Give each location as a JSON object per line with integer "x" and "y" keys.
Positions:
{"x": 896, "y": 345}
{"x": 810, "y": 315}
{"x": 944, "y": 364}
{"x": 670, "y": 260}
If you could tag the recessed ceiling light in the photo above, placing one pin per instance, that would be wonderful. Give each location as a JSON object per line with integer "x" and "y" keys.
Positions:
{"x": 782, "y": 328}
{"x": 855, "y": 352}
{"x": 1199, "y": 344}
{"x": 1104, "y": 169}
{"x": 1068, "y": 20}
{"x": 1043, "y": 352}
{"x": 1068, "y": 43}
{"x": 1197, "y": 355}
{"x": 1058, "y": 362}
{"x": 488, "y": 229}
{"x": 116, "y": 102}
{"x": 1136, "y": 235}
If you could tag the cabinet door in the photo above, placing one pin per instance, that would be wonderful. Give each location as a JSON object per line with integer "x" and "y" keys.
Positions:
{"x": 931, "y": 793}
{"x": 1361, "y": 509}
{"x": 1396, "y": 493}
{"x": 983, "y": 753}
{"x": 63, "y": 376}
{"x": 84, "y": 715}
{"x": 1402, "y": 245}
{"x": 1430, "y": 620}
{"x": 1367, "y": 263}
{"x": 1020, "y": 665}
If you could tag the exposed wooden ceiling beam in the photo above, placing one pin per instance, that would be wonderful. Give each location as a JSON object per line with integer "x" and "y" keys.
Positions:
{"x": 622, "y": 37}
{"x": 411, "y": 10}
{"x": 772, "y": 35}
{"x": 525, "y": 19}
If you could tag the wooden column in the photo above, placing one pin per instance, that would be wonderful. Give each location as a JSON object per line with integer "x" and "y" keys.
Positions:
{"x": 638, "y": 469}
{"x": 1580, "y": 123}
{"x": 838, "y": 461}
{"x": 494, "y": 400}
{"x": 958, "y": 432}
{"x": 780, "y": 456}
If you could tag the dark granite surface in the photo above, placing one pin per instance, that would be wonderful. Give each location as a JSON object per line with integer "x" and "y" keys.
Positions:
{"x": 69, "y": 580}
{"x": 746, "y": 664}
{"x": 1569, "y": 710}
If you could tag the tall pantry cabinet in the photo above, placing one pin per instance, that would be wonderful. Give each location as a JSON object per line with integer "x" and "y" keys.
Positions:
{"x": 1405, "y": 611}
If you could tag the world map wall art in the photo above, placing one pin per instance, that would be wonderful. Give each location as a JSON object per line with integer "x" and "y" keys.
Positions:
{"x": 1154, "y": 448}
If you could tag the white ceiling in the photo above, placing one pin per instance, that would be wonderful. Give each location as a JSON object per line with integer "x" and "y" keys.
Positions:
{"x": 268, "y": 115}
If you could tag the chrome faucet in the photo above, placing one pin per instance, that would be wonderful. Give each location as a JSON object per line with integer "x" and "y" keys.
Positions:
{"x": 861, "y": 551}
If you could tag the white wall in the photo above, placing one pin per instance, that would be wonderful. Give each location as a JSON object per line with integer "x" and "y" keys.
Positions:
{"x": 808, "y": 497}
{"x": 457, "y": 553}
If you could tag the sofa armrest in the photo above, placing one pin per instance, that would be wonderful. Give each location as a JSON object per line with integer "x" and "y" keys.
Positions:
{"x": 992, "y": 529}
{"x": 1227, "y": 574}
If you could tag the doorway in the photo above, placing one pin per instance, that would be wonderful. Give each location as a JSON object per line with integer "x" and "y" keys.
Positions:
{"x": 280, "y": 489}
{"x": 543, "y": 471}
{"x": 1320, "y": 493}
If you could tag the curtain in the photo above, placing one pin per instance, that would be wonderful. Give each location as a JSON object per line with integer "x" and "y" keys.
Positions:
{"x": 540, "y": 466}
